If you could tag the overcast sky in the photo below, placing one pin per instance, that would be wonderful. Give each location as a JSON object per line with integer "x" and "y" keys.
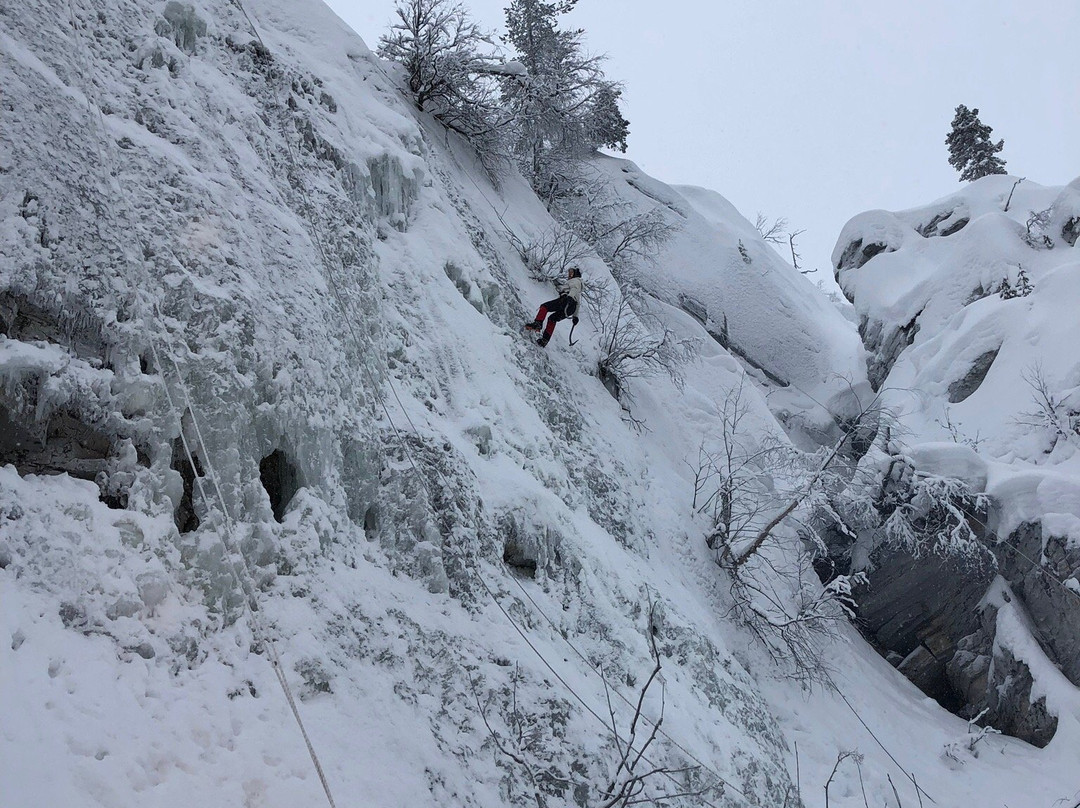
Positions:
{"x": 816, "y": 110}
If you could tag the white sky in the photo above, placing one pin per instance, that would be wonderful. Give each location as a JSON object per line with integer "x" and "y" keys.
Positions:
{"x": 816, "y": 110}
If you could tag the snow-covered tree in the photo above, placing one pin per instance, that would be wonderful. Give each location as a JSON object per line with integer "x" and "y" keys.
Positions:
{"x": 604, "y": 121}
{"x": 451, "y": 66}
{"x": 564, "y": 107}
{"x": 971, "y": 151}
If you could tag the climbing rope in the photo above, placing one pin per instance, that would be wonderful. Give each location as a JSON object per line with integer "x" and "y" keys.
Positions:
{"x": 339, "y": 297}
{"x": 243, "y": 581}
{"x": 242, "y": 574}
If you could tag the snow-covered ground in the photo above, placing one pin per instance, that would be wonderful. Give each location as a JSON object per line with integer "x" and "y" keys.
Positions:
{"x": 332, "y": 277}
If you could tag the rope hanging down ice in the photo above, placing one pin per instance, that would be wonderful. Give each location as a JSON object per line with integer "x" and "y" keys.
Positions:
{"x": 241, "y": 572}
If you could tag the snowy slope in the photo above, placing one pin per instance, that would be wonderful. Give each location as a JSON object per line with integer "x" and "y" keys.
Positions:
{"x": 717, "y": 268}
{"x": 320, "y": 280}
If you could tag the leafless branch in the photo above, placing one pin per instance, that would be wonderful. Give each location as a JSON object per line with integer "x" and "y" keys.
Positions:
{"x": 773, "y": 232}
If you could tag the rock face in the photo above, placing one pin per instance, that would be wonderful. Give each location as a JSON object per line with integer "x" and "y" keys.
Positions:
{"x": 998, "y": 686}
{"x": 934, "y": 620}
{"x": 917, "y": 611}
{"x": 958, "y": 361}
{"x": 885, "y": 343}
{"x": 1054, "y": 609}
{"x": 963, "y": 387}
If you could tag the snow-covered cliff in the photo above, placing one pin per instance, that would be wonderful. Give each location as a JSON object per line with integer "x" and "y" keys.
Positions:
{"x": 242, "y": 241}
{"x": 967, "y": 306}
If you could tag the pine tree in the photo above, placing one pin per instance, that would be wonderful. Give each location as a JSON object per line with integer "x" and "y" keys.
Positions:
{"x": 971, "y": 151}
{"x": 605, "y": 124}
{"x": 565, "y": 107}
{"x": 1024, "y": 286}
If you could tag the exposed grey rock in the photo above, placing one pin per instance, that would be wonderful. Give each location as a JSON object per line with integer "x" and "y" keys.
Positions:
{"x": 694, "y": 307}
{"x": 885, "y": 346}
{"x": 955, "y": 227}
{"x": 123, "y": 607}
{"x": 1012, "y": 708}
{"x": 520, "y": 553}
{"x": 969, "y": 383}
{"x": 481, "y": 436}
{"x": 856, "y": 254}
{"x": 32, "y": 318}
{"x": 978, "y": 293}
{"x": 72, "y": 615}
{"x": 153, "y": 54}
{"x": 1054, "y": 611}
{"x": 999, "y": 686}
{"x": 968, "y": 670}
{"x": 430, "y": 560}
{"x": 63, "y": 444}
{"x": 145, "y": 650}
{"x": 921, "y": 609}
{"x": 930, "y": 229}
{"x": 925, "y": 616}
{"x": 1070, "y": 231}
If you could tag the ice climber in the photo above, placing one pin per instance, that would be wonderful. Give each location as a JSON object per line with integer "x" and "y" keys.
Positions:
{"x": 565, "y": 305}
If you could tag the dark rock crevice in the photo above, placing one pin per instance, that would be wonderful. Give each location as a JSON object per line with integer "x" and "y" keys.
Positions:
{"x": 930, "y": 229}
{"x": 1070, "y": 231}
{"x": 184, "y": 516}
{"x": 27, "y": 319}
{"x": 281, "y": 480}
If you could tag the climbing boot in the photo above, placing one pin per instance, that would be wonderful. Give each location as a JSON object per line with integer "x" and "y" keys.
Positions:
{"x": 533, "y": 326}
{"x": 543, "y": 341}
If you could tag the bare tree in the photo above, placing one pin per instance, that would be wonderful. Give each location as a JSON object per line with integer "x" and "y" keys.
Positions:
{"x": 1051, "y": 414}
{"x": 641, "y": 772}
{"x": 774, "y": 232}
{"x": 739, "y": 468}
{"x": 840, "y": 758}
{"x": 550, "y": 253}
{"x": 954, "y": 428}
{"x": 748, "y": 485}
{"x": 777, "y": 233}
{"x": 795, "y": 256}
{"x": 451, "y": 65}
{"x": 634, "y": 344}
{"x": 780, "y": 600}
{"x": 622, "y": 235}
{"x": 1037, "y": 223}
{"x": 1011, "y": 192}
{"x": 970, "y": 743}
{"x": 634, "y": 772}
